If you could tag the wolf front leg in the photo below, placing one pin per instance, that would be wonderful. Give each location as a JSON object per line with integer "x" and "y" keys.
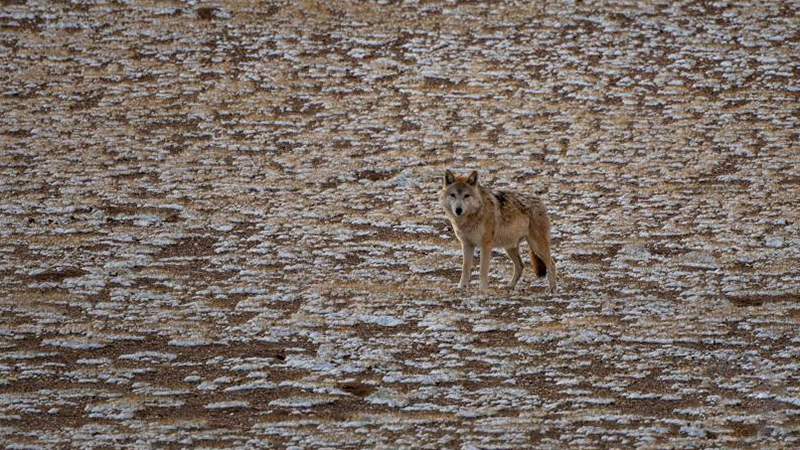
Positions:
{"x": 486, "y": 256}
{"x": 466, "y": 267}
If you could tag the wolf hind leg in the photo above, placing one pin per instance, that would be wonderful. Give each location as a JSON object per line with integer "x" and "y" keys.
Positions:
{"x": 513, "y": 253}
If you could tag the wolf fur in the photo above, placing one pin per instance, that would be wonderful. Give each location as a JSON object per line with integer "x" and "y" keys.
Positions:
{"x": 485, "y": 219}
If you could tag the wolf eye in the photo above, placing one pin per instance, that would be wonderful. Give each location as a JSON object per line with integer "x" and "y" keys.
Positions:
{"x": 466, "y": 196}
{"x": 453, "y": 195}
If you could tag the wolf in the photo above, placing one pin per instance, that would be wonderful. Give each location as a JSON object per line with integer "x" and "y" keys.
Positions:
{"x": 485, "y": 219}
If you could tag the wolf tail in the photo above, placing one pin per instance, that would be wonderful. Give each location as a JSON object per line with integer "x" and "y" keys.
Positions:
{"x": 539, "y": 268}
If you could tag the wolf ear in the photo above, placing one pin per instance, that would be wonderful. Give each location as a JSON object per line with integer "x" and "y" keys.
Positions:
{"x": 449, "y": 178}
{"x": 473, "y": 178}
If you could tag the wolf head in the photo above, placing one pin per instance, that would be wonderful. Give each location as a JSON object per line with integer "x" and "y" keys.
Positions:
{"x": 460, "y": 195}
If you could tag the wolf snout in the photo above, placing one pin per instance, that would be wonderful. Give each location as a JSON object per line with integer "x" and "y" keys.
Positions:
{"x": 459, "y": 211}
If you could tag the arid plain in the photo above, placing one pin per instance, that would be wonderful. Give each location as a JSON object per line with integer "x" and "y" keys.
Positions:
{"x": 220, "y": 225}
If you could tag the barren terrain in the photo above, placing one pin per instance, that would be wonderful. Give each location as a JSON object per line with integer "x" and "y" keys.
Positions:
{"x": 220, "y": 226}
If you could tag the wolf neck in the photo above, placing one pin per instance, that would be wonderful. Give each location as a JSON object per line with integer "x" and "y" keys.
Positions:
{"x": 468, "y": 220}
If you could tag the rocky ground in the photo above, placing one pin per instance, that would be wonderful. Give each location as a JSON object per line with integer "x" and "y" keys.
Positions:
{"x": 220, "y": 225}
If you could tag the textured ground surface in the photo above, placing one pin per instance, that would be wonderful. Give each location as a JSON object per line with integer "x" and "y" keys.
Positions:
{"x": 220, "y": 228}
